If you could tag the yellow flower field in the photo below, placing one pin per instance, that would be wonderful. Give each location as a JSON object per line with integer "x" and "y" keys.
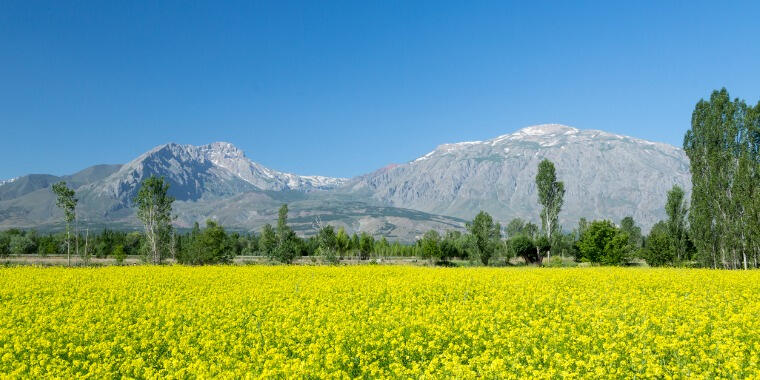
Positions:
{"x": 378, "y": 321}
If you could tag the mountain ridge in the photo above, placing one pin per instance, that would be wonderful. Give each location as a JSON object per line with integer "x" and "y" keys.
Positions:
{"x": 607, "y": 176}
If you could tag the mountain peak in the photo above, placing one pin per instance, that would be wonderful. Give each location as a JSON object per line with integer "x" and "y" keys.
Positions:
{"x": 223, "y": 149}
{"x": 547, "y": 129}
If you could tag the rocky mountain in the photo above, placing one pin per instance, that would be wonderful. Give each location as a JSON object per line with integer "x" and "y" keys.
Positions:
{"x": 210, "y": 171}
{"x": 214, "y": 181}
{"x": 606, "y": 176}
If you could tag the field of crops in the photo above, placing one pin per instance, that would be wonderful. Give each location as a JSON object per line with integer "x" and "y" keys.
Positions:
{"x": 375, "y": 321}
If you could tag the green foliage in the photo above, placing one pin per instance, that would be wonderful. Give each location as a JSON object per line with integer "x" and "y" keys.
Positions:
{"x": 366, "y": 245}
{"x": 67, "y": 203}
{"x": 551, "y": 195}
{"x": 457, "y": 244}
{"x": 212, "y": 245}
{"x": 5, "y": 244}
{"x": 604, "y": 243}
{"x": 522, "y": 246}
{"x": 119, "y": 254}
{"x": 21, "y": 245}
{"x": 543, "y": 245}
{"x": 327, "y": 238}
{"x": 342, "y": 241}
{"x": 676, "y": 209}
{"x": 723, "y": 146}
{"x": 658, "y": 250}
{"x": 431, "y": 246}
{"x": 286, "y": 247}
{"x": 628, "y": 225}
{"x": 484, "y": 232}
{"x": 154, "y": 208}
{"x": 515, "y": 227}
{"x": 267, "y": 240}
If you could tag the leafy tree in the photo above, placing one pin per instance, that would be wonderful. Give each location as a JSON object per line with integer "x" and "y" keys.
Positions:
{"x": 366, "y": 244}
{"x": 67, "y": 203}
{"x": 628, "y": 225}
{"x": 119, "y": 254}
{"x": 551, "y": 195}
{"x": 5, "y": 244}
{"x": 21, "y": 245}
{"x": 343, "y": 242}
{"x": 48, "y": 245}
{"x": 211, "y": 246}
{"x": 530, "y": 230}
{"x": 618, "y": 250}
{"x": 154, "y": 208}
{"x": 658, "y": 250}
{"x": 268, "y": 240}
{"x": 484, "y": 232}
{"x": 676, "y": 209}
{"x": 723, "y": 146}
{"x": 543, "y": 245}
{"x": 431, "y": 246}
{"x": 600, "y": 243}
{"x": 457, "y": 244}
{"x": 287, "y": 247}
{"x": 515, "y": 227}
{"x": 327, "y": 242}
{"x": 522, "y": 246}
{"x": 327, "y": 238}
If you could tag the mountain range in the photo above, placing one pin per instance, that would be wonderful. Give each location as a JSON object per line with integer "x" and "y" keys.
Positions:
{"x": 606, "y": 176}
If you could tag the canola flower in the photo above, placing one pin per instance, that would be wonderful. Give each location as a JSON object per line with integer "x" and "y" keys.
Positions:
{"x": 378, "y": 322}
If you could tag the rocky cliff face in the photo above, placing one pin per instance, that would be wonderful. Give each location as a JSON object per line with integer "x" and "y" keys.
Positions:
{"x": 210, "y": 171}
{"x": 606, "y": 176}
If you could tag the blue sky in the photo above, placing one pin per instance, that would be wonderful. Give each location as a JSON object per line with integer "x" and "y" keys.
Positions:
{"x": 342, "y": 88}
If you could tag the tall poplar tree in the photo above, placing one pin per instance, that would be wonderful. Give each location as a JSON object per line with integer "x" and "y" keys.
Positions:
{"x": 67, "y": 203}
{"x": 676, "y": 209}
{"x": 551, "y": 195}
{"x": 154, "y": 209}
{"x": 723, "y": 146}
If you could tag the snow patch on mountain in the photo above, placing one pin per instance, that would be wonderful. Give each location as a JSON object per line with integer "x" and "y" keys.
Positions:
{"x": 6, "y": 181}
{"x": 606, "y": 176}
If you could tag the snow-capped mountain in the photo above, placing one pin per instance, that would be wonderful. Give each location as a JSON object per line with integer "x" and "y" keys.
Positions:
{"x": 606, "y": 176}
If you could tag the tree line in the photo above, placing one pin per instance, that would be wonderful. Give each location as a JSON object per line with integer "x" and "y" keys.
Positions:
{"x": 718, "y": 227}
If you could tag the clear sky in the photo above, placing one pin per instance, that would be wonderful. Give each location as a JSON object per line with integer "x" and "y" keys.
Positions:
{"x": 343, "y": 88}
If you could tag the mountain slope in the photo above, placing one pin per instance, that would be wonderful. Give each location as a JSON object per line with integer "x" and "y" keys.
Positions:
{"x": 606, "y": 176}
{"x": 214, "y": 181}
{"x": 29, "y": 183}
